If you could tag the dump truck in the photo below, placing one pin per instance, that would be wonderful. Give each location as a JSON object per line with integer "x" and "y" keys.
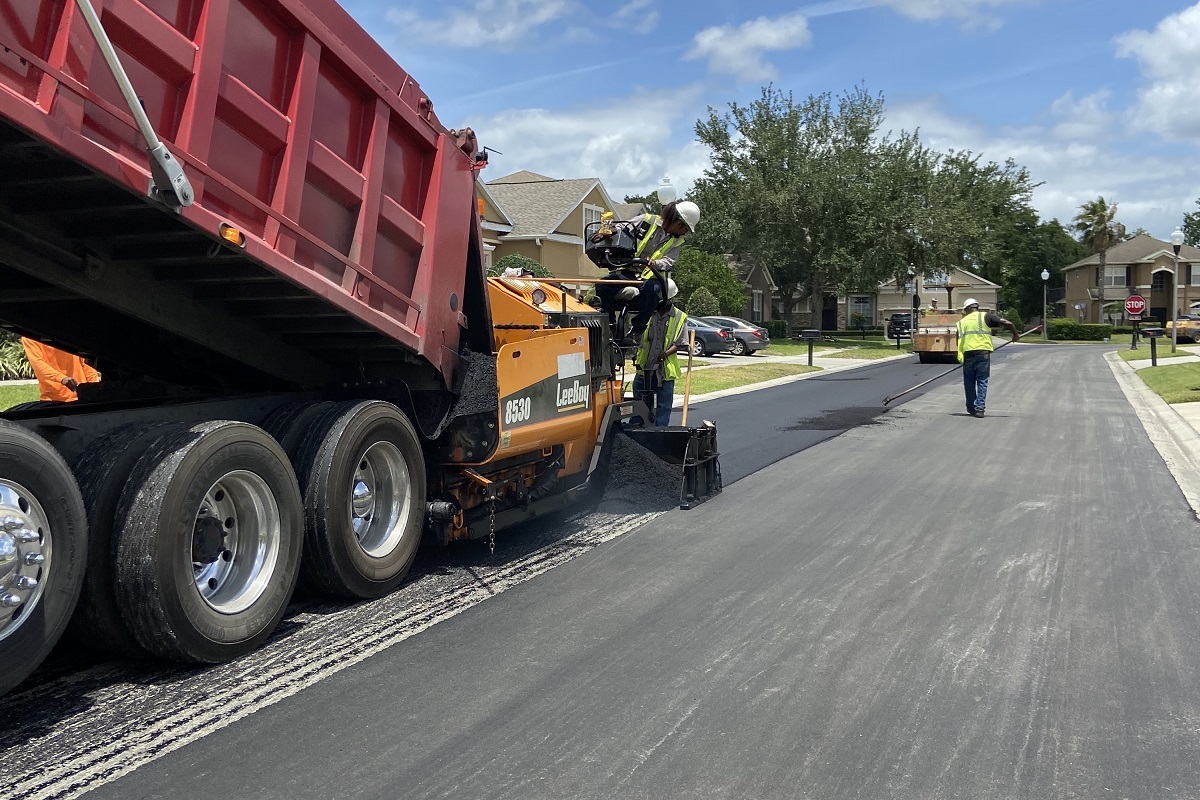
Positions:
{"x": 249, "y": 218}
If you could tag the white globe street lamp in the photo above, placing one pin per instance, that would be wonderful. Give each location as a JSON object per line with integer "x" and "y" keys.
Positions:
{"x": 1045, "y": 321}
{"x": 666, "y": 191}
{"x": 1176, "y": 243}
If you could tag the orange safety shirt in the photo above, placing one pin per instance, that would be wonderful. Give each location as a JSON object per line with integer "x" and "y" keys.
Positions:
{"x": 51, "y": 365}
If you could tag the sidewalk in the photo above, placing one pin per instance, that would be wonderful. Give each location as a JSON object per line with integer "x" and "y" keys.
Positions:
{"x": 1190, "y": 412}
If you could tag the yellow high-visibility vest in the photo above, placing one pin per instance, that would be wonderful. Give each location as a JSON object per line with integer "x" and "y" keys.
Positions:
{"x": 663, "y": 249}
{"x": 671, "y": 369}
{"x": 974, "y": 334}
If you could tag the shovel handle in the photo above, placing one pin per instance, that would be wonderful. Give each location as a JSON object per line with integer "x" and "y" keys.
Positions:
{"x": 687, "y": 382}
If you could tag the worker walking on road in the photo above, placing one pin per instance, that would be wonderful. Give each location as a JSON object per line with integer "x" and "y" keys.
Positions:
{"x": 975, "y": 352}
{"x": 58, "y": 373}
{"x": 659, "y": 239}
{"x": 657, "y": 361}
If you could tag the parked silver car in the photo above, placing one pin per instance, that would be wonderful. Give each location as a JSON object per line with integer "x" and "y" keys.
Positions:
{"x": 710, "y": 339}
{"x": 748, "y": 337}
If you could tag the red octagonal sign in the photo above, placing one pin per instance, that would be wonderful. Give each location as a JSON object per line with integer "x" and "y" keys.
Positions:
{"x": 1135, "y": 304}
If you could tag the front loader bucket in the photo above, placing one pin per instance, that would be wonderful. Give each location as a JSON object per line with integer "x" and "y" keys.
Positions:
{"x": 694, "y": 449}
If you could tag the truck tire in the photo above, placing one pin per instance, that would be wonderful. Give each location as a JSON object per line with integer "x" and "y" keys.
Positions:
{"x": 289, "y": 423}
{"x": 925, "y": 357}
{"x": 102, "y": 470}
{"x": 43, "y": 549}
{"x": 209, "y": 536}
{"x": 362, "y": 474}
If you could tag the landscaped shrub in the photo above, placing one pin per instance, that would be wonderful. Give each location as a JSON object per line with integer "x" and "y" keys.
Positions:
{"x": 776, "y": 328}
{"x": 13, "y": 364}
{"x": 703, "y": 303}
{"x": 1069, "y": 329}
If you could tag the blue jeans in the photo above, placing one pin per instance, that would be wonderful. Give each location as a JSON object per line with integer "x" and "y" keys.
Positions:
{"x": 977, "y": 368}
{"x": 663, "y": 399}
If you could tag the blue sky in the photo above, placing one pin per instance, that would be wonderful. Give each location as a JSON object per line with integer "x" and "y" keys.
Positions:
{"x": 1094, "y": 97}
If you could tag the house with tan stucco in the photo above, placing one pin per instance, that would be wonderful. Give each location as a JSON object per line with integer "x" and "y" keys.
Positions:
{"x": 543, "y": 218}
{"x": 1142, "y": 265}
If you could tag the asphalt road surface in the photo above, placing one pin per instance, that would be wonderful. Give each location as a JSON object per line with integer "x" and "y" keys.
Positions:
{"x": 928, "y": 606}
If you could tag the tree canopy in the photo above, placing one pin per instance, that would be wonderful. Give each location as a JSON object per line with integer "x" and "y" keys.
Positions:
{"x": 819, "y": 193}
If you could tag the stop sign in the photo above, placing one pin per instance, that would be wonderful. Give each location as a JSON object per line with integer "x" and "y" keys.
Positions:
{"x": 1135, "y": 304}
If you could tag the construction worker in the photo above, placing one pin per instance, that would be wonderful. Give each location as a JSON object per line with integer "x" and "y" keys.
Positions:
{"x": 975, "y": 352}
{"x": 659, "y": 239}
{"x": 657, "y": 361}
{"x": 58, "y": 373}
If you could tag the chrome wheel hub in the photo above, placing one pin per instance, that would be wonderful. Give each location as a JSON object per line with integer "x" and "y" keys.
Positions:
{"x": 236, "y": 539}
{"x": 380, "y": 499}
{"x": 26, "y": 547}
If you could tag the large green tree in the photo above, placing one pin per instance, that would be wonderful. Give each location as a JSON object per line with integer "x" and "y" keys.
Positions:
{"x": 818, "y": 192}
{"x": 1191, "y": 228}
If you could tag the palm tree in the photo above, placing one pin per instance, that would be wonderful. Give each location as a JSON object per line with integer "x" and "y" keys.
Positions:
{"x": 1098, "y": 230}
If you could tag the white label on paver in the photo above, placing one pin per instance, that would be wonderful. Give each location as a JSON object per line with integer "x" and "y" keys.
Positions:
{"x": 570, "y": 365}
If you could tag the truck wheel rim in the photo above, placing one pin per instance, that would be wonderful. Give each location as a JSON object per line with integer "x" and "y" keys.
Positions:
{"x": 236, "y": 541}
{"x": 380, "y": 499}
{"x": 26, "y": 547}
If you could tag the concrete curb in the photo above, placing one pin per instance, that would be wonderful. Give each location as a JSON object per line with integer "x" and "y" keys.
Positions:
{"x": 1175, "y": 438}
{"x": 18, "y": 383}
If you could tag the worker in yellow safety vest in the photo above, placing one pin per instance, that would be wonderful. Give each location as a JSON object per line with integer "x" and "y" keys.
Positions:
{"x": 657, "y": 361}
{"x": 975, "y": 352}
{"x": 659, "y": 239}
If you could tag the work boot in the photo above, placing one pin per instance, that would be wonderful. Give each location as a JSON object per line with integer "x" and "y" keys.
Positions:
{"x": 978, "y": 413}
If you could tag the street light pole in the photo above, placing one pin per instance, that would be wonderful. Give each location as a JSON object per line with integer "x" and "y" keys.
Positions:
{"x": 1176, "y": 243}
{"x": 1045, "y": 322}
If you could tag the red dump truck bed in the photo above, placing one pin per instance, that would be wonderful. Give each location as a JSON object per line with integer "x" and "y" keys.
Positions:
{"x": 361, "y": 257}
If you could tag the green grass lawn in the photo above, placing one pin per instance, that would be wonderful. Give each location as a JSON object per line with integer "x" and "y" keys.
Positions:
{"x": 11, "y": 395}
{"x": 1175, "y": 383}
{"x": 1143, "y": 353}
{"x": 715, "y": 379}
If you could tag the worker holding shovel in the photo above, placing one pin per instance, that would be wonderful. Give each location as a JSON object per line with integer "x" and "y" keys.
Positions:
{"x": 657, "y": 362}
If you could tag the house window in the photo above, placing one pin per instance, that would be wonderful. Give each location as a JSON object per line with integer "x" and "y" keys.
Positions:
{"x": 861, "y": 304}
{"x": 1115, "y": 277}
{"x": 487, "y": 257}
{"x": 1159, "y": 282}
{"x": 756, "y": 306}
{"x": 1193, "y": 275}
{"x": 591, "y": 214}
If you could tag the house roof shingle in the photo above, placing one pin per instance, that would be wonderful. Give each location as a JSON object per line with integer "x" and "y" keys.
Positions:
{"x": 538, "y": 204}
{"x": 1139, "y": 249}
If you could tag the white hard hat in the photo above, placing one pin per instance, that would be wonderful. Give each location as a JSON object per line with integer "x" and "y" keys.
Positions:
{"x": 689, "y": 212}
{"x": 971, "y": 301}
{"x": 672, "y": 289}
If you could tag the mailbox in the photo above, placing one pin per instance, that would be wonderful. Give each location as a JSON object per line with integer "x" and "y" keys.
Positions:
{"x": 1153, "y": 333}
{"x": 810, "y": 334}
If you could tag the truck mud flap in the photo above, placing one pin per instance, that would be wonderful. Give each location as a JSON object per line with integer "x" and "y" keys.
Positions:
{"x": 693, "y": 449}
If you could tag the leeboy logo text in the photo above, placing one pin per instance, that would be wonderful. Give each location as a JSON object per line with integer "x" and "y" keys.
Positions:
{"x": 574, "y": 395}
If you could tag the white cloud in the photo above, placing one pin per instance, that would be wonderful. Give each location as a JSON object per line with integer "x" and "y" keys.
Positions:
{"x": 739, "y": 50}
{"x": 626, "y": 142}
{"x": 1168, "y": 58}
{"x": 1152, "y": 188}
{"x": 972, "y": 12}
{"x": 640, "y": 16}
{"x": 1087, "y": 119}
{"x": 495, "y": 23}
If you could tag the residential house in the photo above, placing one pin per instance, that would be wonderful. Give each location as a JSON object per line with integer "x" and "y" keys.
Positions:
{"x": 494, "y": 220}
{"x": 950, "y": 290}
{"x": 547, "y": 216}
{"x": 1142, "y": 265}
{"x": 759, "y": 286}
